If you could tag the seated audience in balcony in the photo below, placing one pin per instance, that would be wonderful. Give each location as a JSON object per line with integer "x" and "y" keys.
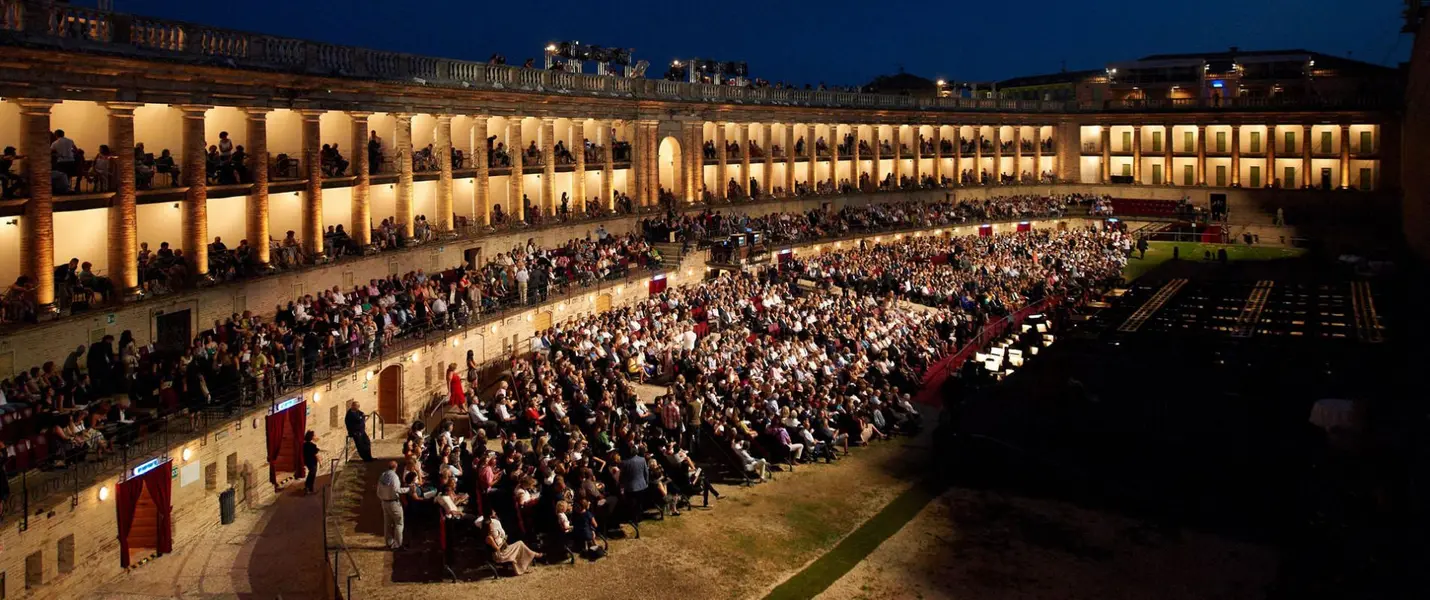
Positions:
{"x": 66, "y": 157}
{"x": 10, "y": 183}
{"x": 333, "y": 163}
{"x": 164, "y": 164}
{"x": 102, "y": 175}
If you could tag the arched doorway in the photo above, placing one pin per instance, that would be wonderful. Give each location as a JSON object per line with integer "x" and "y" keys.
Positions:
{"x": 671, "y": 175}
{"x": 389, "y": 394}
{"x": 543, "y": 322}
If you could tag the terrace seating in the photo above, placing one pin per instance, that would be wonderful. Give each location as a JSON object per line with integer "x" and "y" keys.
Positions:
{"x": 1133, "y": 207}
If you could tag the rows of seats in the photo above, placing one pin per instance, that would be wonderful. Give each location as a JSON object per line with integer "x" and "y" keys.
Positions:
{"x": 1133, "y": 207}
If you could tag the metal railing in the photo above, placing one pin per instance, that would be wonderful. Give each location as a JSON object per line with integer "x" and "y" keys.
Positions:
{"x": 72, "y": 28}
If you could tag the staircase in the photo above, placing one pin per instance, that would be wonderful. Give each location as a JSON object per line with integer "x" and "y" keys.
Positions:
{"x": 670, "y": 255}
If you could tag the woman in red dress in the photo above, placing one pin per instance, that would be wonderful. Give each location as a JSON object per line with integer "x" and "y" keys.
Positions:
{"x": 455, "y": 394}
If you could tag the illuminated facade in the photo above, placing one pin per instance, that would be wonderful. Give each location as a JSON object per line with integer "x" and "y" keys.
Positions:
{"x": 121, "y": 80}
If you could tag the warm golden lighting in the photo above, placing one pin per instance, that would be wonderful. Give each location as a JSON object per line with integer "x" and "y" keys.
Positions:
{"x": 189, "y": 452}
{"x": 414, "y": 356}
{"x": 103, "y": 493}
{"x": 317, "y": 397}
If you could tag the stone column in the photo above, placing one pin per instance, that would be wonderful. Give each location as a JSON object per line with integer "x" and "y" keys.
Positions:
{"x": 767, "y": 177}
{"x": 652, "y": 164}
{"x": 689, "y": 153}
{"x": 813, "y": 160}
{"x": 1106, "y": 139}
{"x": 697, "y": 160}
{"x": 361, "y": 218}
{"x": 37, "y": 237}
{"x": 1137, "y": 154}
{"x": 515, "y": 185}
{"x": 1201, "y": 154}
{"x": 1271, "y": 155}
{"x": 123, "y": 220}
{"x": 312, "y": 234}
{"x": 875, "y": 176}
{"x": 442, "y": 148}
{"x": 745, "y": 159}
{"x": 1167, "y": 141}
{"x": 1306, "y": 156}
{"x": 978, "y": 154}
{"x": 1018, "y": 153}
{"x": 1235, "y": 155}
{"x": 834, "y": 156}
{"x": 608, "y": 169}
{"x": 789, "y": 159}
{"x": 722, "y": 169}
{"x": 937, "y": 140}
{"x": 1345, "y": 178}
{"x": 195, "y": 174}
{"x": 578, "y": 178}
{"x": 548, "y": 167}
{"x": 482, "y": 190}
{"x": 403, "y": 145}
{"x": 637, "y": 175}
{"x": 256, "y": 225}
{"x": 898, "y": 154}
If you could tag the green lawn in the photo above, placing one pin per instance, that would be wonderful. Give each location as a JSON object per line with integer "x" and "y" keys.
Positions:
{"x": 1160, "y": 252}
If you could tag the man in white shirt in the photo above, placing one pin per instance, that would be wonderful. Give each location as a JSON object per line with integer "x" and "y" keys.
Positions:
{"x": 522, "y": 277}
{"x": 63, "y": 150}
{"x": 389, "y": 493}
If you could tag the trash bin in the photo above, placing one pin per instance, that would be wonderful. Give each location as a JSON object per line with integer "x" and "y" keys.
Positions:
{"x": 227, "y": 507}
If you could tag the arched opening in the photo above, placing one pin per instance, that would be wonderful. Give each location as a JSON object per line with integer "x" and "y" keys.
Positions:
{"x": 671, "y": 175}
{"x": 389, "y": 394}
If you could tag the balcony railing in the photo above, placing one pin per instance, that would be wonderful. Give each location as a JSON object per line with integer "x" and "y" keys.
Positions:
{"x": 36, "y": 23}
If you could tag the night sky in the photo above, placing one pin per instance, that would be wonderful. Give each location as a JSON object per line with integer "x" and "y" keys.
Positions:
{"x": 836, "y": 41}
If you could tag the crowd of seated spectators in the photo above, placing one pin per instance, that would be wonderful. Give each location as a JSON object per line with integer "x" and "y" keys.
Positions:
{"x": 758, "y": 373}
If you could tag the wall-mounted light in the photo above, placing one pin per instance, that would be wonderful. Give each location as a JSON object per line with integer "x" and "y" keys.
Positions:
{"x": 187, "y": 454}
{"x": 494, "y": 328}
{"x": 103, "y": 493}
{"x": 454, "y": 342}
{"x": 414, "y": 356}
{"x": 371, "y": 374}
{"x": 13, "y": 222}
{"x": 528, "y": 317}
{"x": 176, "y": 205}
{"x": 317, "y": 397}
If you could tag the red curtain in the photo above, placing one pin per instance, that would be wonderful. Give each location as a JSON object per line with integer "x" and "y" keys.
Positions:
{"x": 1025, "y": 226}
{"x": 985, "y": 231}
{"x": 298, "y": 424}
{"x": 126, "y": 500}
{"x": 274, "y": 423}
{"x": 657, "y": 286}
{"x": 160, "y": 483}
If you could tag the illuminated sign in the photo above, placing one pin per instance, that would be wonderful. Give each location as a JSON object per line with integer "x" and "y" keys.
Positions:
{"x": 147, "y": 466}
{"x": 285, "y": 405}
{"x": 1217, "y": 83}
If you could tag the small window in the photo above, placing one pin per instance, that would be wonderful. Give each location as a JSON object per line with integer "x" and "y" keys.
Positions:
{"x": 211, "y": 476}
{"x": 66, "y": 553}
{"x": 34, "y": 570}
{"x": 334, "y": 419}
{"x": 231, "y": 468}
{"x": 240, "y": 304}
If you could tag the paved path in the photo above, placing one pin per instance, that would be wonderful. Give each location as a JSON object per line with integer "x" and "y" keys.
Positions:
{"x": 273, "y": 552}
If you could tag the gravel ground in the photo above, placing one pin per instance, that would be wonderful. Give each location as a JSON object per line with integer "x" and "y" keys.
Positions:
{"x": 989, "y": 546}
{"x": 749, "y": 540}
